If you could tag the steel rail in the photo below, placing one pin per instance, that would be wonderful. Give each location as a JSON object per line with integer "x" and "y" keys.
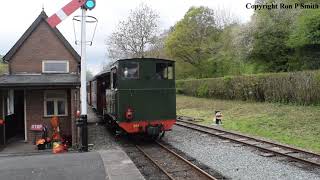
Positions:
{"x": 253, "y": 138}
{"x": 154, "y": 162}
{"x": 179, "y": 157}
{"x": 246, "y": 143}
{"x": 188, "y": 162}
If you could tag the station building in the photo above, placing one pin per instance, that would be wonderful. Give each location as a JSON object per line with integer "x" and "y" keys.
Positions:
{"x": 43, "y": 81}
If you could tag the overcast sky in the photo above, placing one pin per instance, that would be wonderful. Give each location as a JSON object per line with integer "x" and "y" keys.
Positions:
{"x": 20, "y": 14}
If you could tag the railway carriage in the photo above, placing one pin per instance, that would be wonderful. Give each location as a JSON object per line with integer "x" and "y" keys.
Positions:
{"x": 139, "y": 95}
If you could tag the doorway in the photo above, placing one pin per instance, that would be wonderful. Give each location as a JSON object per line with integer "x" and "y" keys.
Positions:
{"x": 19, "y": 113}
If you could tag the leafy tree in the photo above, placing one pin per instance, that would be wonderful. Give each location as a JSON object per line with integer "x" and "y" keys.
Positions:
{"x": 135, "y": 35}
{"x": 306, "y": 31}
{"x": 192, "y": 37}
{"x": 285, "y": 40}
{"x": 203, "y": 44}
{"x": 305, "y": 39}
{"x": 157, "y": 50}
{"x": 269, "y": 39}
{"x": 3, "y": 66}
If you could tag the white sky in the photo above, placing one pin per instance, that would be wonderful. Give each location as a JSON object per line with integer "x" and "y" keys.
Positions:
{"x": 21, "y": 13}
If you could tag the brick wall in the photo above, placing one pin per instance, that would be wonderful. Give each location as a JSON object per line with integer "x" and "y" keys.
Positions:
{"x": 41, "y": 45}
{"x": 35, "y": 113}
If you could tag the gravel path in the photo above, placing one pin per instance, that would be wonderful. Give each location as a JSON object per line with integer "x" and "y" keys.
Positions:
{"x": 233, "y": 160}
{"x": 101, "y": 138}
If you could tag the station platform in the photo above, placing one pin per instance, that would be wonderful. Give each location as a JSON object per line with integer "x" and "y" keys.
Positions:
{"x": 21, "y": 161}
{"x": 119, "y": 166}
{"x": 103, "y": 165}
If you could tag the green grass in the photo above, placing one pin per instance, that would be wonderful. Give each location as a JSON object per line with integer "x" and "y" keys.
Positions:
{"x": 290, "y": 124}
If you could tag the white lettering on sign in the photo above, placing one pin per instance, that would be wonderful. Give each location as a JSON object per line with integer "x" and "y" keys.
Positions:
{"x": 36, "y": 127}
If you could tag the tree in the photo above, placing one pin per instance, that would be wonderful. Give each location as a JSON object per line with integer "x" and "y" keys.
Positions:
{"x": 192, "y": 37}
{"x": 3, "y": 66}
{"x": 271, "y": 29}
{"x": 157, "y": 50}
{"x": 135, "y": 35}
{"x": 305, "y": 39}
{"x": 286, "y": 40}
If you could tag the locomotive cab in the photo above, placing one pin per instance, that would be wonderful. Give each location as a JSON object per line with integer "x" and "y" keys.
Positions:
{"x": 142, "y": 98}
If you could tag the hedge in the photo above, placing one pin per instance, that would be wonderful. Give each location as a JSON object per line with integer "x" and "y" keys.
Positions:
{"x": 296, "y": 87}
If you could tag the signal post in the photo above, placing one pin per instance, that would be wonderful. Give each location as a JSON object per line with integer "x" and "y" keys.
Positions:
{"x": 53, "y": 21}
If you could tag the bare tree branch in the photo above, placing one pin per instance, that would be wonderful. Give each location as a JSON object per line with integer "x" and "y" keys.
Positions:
{"x": 134, "y": 36}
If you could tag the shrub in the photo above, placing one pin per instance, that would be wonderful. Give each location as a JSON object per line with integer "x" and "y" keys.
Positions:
{"x": 202, "y": 90}
{"x": 296, "y": 87}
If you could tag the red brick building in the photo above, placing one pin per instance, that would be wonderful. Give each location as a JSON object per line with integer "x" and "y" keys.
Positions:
{"x": 43, "y": 81}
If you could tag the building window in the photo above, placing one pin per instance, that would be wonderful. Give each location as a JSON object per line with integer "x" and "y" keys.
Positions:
{"x": 55, "y": 103}
{"x": 49, "y": 66}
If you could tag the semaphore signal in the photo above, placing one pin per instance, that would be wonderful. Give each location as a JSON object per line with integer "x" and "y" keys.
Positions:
{"x": 89, "y": 4}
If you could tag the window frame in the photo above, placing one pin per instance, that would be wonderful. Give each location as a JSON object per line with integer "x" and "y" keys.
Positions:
{"x": 55, "y": 61}
{"x": 114, "y": 76}
{"x": 166, "y": 71}
{"x": 55, "y": 103}
{"x": 131, "y": 78}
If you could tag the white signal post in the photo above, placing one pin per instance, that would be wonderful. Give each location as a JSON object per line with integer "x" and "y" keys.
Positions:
{"x": 83, "y": 89}
{"x": 56, "y": 19}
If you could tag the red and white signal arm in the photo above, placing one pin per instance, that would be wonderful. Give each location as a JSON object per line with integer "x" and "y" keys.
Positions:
{"x": 63, "y": 13}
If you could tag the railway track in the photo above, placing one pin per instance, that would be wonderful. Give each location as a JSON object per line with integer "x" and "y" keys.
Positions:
{"x": 172, "y": 164}
{"x": 269, "y": 147}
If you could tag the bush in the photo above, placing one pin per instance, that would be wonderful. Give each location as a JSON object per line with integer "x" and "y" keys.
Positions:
{"x": 203, "y": 90}
{"x": 298, "y": 87}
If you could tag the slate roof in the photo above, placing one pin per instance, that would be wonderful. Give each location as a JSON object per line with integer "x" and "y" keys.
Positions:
{"x": 42, "y": 17}
{"x": 39, "y": 80}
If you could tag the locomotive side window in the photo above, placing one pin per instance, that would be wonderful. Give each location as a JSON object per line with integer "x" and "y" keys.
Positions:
{"x": 164, "y": 71}
{"x": 113, "y": 78}
{"x": 130, "y": 70}
{"x": 170, "y": 71}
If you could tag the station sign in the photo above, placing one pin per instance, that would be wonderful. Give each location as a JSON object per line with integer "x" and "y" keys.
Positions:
{"x": 36, "y": 127}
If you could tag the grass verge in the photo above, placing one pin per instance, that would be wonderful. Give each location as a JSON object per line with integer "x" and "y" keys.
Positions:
{"x": 290, "y": 124}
